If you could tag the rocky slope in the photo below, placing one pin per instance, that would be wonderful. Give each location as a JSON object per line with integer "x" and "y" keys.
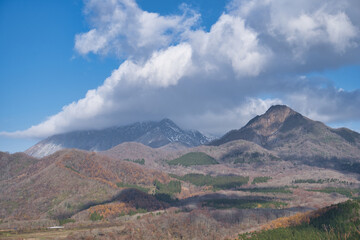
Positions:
{"x": 153, "y": 134}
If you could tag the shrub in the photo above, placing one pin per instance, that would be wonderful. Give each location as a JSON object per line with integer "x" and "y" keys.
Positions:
{"x": 267, "y": 190}
{"x": 138, "y": 161}
{"x": 260, "y": 180}
{"x": 65, "y": 221}
{"x": 95, "y": 216}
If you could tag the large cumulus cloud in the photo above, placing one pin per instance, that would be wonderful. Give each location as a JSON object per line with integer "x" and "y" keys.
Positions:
{"x": 254, "y": 56}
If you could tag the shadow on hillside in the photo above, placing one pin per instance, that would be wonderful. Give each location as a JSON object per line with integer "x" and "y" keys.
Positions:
{"x": 139, "y": 199}
{"x": 131, "y": 196}
{"x": 226, "y": 197}
{"x": 339, "y": 164}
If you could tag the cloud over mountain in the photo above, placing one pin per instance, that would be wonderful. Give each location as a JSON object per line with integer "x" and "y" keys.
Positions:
{"x": 256, "y": 54}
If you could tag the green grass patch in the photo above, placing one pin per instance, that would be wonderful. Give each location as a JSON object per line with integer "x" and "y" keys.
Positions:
{"x": 260, "y": 180}
{"x": 170, "y": 188}
{"x": 348, "y": 192}
{"x": 126, "y": 185}
{"x": 243, "y": 203}
{"x": 165, "y": 192}
{"x": 267, "y": 190}
{"x": 193, "y": 158}
{"x": 217, "y": 182}
{"x": 95, "y": 217}
{"x": 138, "y": 161}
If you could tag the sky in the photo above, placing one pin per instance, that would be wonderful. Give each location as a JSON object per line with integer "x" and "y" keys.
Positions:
{"x": 207, "y": 65}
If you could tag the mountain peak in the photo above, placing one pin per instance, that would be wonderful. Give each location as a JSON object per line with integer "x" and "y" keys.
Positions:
{"x": 278, "y": 118}
{"x": 270, "y": 122}
{"x": 168, "y": 122}
{"x": 278, "y": 109}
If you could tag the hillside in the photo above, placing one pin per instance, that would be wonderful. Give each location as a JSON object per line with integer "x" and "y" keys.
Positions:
{"x": 235, "y": 152}
{"x": 12, "y": 165}
{"x": 153, "y": 134}
{"x": 340, "y": 221}
{"x": 65, "y": 183}
{"x": 133, "y": 150}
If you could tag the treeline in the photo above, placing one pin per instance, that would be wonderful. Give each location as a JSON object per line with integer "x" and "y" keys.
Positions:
{"x": 348, "y": 192}
{"x": 320, "y": 181}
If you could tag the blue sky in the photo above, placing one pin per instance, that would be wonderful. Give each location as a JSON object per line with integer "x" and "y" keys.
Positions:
{"x": 40, "y": 70}
{"x": 53, "y": 52}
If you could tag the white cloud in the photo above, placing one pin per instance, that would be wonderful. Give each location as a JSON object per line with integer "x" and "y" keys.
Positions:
{"x": 212, "y": 80}
{"x": 306, "y": 30}
{"x": 328, "y": 104}
{"x": 302, "y": 24}
{"x": 90, "y": 42}
{"x": 120, "y": 26}
{"x": 341, "y": 31}
{"x": 227, "y": 119}
{"x": 163, "y": 69}
{"x": 231, "y": 42}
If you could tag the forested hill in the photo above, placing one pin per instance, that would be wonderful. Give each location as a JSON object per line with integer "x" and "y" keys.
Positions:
{"x": 340, "y": 221}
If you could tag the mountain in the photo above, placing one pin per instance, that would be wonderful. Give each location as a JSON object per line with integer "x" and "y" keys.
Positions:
{"x": 153, "y": 134}
{"x": 294, "y": 136}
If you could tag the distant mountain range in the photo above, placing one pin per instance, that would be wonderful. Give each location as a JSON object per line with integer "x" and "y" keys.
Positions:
{"x": 152, "y": 134}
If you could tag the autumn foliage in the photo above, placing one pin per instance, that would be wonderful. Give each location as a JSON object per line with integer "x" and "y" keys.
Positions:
{"x": 128, "y": 201}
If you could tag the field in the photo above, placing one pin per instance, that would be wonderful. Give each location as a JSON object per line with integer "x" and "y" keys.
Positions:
{"x": 193, "y": 158}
